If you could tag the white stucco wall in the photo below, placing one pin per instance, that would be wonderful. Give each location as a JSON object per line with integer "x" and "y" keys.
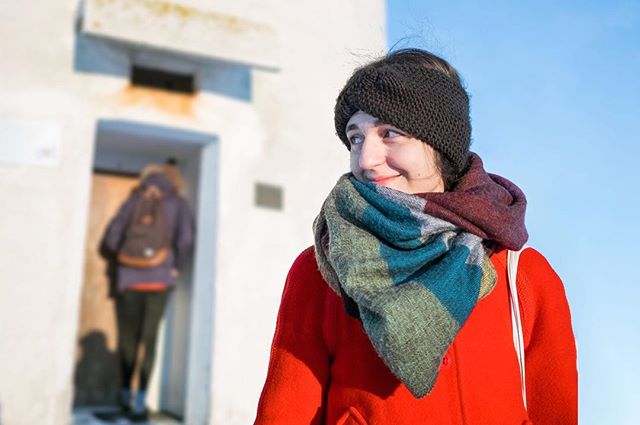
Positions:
{"x": 320, "y": 44}
{"x": 282, "y": 135}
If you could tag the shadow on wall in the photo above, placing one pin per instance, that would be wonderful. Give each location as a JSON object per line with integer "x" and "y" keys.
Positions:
{"x": 97, "y": 55}
{"x": 94, "y": 381}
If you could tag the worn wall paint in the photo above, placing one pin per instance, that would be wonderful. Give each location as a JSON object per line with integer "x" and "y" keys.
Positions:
{"x": 187, "y": 28}
{"x": 171, "y": 103}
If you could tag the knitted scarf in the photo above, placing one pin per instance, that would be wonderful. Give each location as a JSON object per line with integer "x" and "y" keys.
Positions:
{"x": 413, "y": 268}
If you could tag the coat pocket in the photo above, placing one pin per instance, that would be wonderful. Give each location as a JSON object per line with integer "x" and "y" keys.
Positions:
{"x": 351, "y": 417}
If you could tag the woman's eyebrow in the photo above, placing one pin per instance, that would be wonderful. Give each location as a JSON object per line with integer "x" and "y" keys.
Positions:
{"x": 355, "y": 126}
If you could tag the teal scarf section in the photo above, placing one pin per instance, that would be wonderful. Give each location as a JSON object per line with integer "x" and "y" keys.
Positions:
{"x": 414, "y": 278}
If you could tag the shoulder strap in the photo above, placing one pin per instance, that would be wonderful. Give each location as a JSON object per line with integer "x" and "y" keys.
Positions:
{"x": 516, "y": 321}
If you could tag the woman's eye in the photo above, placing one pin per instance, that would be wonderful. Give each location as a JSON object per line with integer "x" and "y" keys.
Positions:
{"x": 356, "y": 139}
{"x": 392, "y": 133}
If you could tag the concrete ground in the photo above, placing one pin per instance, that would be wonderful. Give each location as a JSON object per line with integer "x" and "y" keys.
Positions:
{"x": 84, "y": 416}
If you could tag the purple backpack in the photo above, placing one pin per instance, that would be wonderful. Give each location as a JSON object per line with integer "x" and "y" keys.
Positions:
{"x": 146, "y": 238}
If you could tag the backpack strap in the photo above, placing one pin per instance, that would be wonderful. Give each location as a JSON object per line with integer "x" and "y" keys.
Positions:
{"x": 516, "y": 321}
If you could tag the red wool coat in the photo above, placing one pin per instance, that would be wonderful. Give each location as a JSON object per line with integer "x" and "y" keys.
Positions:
{"x": 324, "y": 370}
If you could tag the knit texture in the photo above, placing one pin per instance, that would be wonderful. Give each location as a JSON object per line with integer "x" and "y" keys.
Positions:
{"x": 414, "y": 278}
{"x": 485, "y": 204}
{"x": 424, "y": 102}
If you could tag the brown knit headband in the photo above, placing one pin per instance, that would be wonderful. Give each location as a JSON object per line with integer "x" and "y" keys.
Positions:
{"x": 424, "y": 102}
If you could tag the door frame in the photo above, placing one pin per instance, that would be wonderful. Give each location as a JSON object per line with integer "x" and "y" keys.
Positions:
{"x": 145, "y": 142}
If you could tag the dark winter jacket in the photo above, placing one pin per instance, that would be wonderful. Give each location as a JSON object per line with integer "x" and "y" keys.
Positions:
{"x": 180, "y": 220}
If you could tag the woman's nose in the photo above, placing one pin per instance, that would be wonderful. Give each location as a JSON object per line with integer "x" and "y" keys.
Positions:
{"x": 372, "y": 153}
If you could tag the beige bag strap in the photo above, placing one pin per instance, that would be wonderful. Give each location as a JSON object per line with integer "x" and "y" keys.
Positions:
{"x": 516, "y": 322}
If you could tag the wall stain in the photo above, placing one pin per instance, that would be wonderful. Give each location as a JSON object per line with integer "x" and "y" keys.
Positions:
{"x": 167, "y": 9}
{"x": 173, "y": 103}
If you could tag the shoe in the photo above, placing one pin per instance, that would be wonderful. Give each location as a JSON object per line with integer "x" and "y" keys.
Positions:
{"x": 125, "y": 408}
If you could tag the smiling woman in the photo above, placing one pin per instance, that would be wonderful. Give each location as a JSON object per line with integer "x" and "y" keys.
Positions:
{"x": 384, "y": 155}
{"x": 400, "y": 313}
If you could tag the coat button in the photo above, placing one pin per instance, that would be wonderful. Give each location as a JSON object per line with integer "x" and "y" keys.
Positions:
{"x": 446, "y": 360}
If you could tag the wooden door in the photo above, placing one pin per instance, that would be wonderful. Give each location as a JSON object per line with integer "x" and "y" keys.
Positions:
{"x": 97, "y": 371}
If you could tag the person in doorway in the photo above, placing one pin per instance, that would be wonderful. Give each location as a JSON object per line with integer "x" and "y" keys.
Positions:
{"x": 151, "y": 239}
{"x": 400, "y": 312}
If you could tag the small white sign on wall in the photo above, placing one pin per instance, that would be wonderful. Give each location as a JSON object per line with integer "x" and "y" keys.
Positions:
{"x": 30, "y": 141}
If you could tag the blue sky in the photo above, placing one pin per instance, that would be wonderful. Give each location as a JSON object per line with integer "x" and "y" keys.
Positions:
{"x": 555, "y": 107}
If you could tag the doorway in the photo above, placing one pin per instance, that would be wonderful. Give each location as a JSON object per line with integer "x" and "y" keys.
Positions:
{"x": 122, "y": 149}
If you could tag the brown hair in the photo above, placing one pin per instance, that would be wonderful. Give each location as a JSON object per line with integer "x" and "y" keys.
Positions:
{"x": 170, "y": 171}
{"x": 420, "y": 57}
{"x": 447, "y": 171}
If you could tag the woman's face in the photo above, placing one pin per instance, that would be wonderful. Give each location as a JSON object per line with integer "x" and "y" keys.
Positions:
{"x": 385, "y": 155}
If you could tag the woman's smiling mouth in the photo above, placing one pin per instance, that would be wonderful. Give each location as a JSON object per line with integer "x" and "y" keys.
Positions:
{"x": 382, "y": 180}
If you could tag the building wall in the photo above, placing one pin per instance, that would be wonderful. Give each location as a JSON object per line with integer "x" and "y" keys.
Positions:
{"x": 282, "y": 134}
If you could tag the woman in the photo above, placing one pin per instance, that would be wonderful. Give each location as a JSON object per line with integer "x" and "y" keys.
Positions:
{"x": 400, "y": 312}
{"x": 154, "y": 217}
